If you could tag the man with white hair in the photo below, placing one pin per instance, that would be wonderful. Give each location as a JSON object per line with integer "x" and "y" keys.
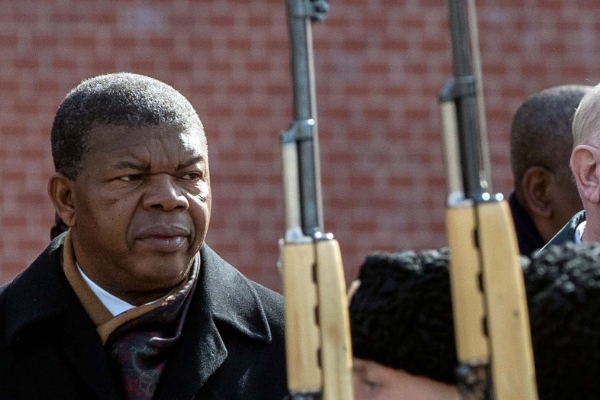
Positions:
{"x": 585, "y": 164}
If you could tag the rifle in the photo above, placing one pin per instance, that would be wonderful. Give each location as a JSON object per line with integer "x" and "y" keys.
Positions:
{"x": 488, "y": 296}
{"x": 318, "y": 348}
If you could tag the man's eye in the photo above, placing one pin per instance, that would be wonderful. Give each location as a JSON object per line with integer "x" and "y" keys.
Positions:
{"x": 131, "y": 178}
{"x": 372, "y": 385}
{"x": 191, "y": 176}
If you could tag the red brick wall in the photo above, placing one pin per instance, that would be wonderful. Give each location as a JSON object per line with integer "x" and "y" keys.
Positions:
{"x": 379, "y": 67}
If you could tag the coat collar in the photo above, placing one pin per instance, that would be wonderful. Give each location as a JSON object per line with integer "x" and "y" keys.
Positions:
{"x": 42, "y": 292}
{"x": 232, "y": 298}
{"x": 528, "y": 236}
{"x": 223, "y": 297}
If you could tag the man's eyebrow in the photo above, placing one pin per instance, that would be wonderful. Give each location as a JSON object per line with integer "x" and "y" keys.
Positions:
{"x": 191, "y": 161}
{"x": 136, "y": 166}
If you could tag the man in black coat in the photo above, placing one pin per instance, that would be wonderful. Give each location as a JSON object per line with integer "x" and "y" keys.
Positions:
{"x": 130, "y": 303}
{"x": 541, "y": 139}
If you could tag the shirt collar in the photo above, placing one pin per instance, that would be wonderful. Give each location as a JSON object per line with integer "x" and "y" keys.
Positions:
{"x": 579, "y": 232}
{"x": 114, "y": 304}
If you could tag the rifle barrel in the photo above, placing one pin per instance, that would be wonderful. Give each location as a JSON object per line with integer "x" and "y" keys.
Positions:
{"x": 305, "y": 130}
{"x": 466, "y": 101}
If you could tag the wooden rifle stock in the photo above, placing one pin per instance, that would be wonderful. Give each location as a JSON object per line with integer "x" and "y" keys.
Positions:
{"x": 490, "y": 310}
{"x": 318, "y": 347}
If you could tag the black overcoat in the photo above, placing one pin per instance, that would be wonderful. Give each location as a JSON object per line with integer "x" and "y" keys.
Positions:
{"x": 231, "y": 347}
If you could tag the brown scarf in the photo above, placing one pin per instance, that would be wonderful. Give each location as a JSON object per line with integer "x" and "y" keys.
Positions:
{"x": 137, "y": 341}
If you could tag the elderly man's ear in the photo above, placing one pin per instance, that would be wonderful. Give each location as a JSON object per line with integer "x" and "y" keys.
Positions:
{"x": 585, "y": 161}
{"x": 60, "y": 190}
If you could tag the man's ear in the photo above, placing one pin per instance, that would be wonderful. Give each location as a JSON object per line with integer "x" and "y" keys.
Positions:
{"x": 584, "y": 164}
{"x": 536, "y": 187}
{"x": 60, "y": 190}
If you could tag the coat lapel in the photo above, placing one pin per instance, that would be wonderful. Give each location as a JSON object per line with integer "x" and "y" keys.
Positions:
{"x": 42, "y": 292}
{"x": 223, "y": 296}
{"x": 200, "y": 352}
{"x": 83, "y": 347}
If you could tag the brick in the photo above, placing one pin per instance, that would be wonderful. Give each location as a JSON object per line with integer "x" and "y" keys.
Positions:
{"x": 574, "y": 70}
{"x": 138, "y": 65}
{"x": 64, "y": 64}
{"x": 259, "y": 20}
{"x": 202, "y": 43}
{"x": 554, "y": 47}
{"x": 555, "y": 5}
{"x": 29, "y": 18}
{"x": 12, "y": 130}
{"x": 26, "y": 63}
{"x": 394, "y": 45}
{"x": 364, "y": 226}
{"x": 64, "y": 17}
{"x": 181, "y": 65}
{"x": 8, "y": 40}
{"x": 123, "y": 42}
{"x": 435, "y": 44}
{"x": 257, "y": 66}
{"x": 30, "y": 108}
{"x": 44, "y": 41}
{"x": 377, "y": 113}
{"x": 83, "y": 41}
{"x": 161, "y": 42}
{"x": 104, "y": 18}
{"x": 375, "y": 68}
{"x": 412, "y": 23}
{"x": 221, "y": 20}
{"x": 259, "y": 112}
{"x": 45, "y": 86}
{"x": 13, "y": 221}
{"x": 278, "y": 89}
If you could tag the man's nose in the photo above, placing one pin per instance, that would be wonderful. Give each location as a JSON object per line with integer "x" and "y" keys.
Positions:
{"x": 163, "y": 193}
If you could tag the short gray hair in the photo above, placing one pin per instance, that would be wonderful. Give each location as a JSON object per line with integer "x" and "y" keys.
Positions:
{"x": 119, "y": 99}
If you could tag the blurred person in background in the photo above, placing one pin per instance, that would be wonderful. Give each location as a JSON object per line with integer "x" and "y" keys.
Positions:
{"x": 403, "y": 331}
{"x": 545, "y": 195}
{"x": 402, "y": 328}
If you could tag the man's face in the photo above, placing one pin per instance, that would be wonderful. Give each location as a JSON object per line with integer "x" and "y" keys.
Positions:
{"x": 373, "y": 381}
{"x": 141, "y": 208}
